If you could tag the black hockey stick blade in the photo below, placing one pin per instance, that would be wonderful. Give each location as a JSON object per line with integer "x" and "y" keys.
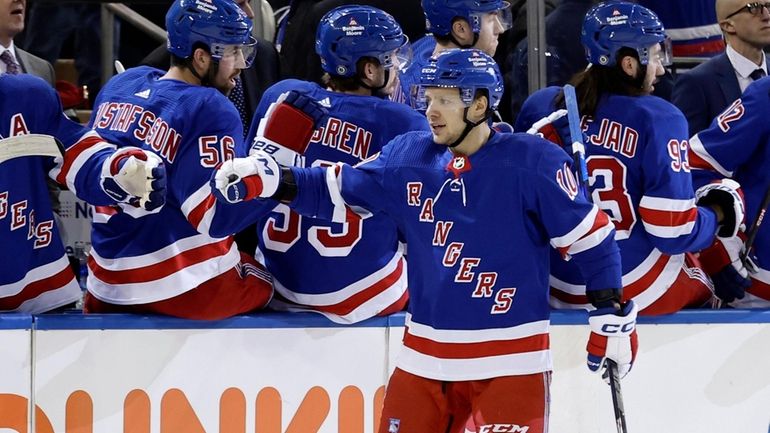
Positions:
{"x": 29, "y": 145}
{"x": 617, "y": 396}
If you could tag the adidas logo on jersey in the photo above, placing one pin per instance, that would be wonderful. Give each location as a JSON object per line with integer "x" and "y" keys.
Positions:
{"x": 325, "y": 102}
{"x": 143, "y": 94}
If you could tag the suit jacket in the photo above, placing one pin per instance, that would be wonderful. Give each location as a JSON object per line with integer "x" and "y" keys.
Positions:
{"x": 34, "y": 65}
{"x": 705, "y": 91}
{"x": 263, "y": 73}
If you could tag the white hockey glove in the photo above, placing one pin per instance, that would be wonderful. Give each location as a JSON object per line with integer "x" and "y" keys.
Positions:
{"x": 136, "y": 177}
{"x": 727, "y": 194}
{"x": 613, "y": 336}
{"x": 239, "y": 179}
{"x": 285, "y": 131}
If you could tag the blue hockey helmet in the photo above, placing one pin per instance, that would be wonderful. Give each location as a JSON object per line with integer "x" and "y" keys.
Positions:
{"x": 348, "y": 33}
{"x": 468, "y": 70}
{"x": 217, "y": 24}
{"x": 439, "y": 14}
{"x": 610, "y": 26}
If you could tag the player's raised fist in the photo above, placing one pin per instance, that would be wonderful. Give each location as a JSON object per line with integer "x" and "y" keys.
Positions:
{"x": 287, "y": 127}
{"x": 239, "y": 179}
{"x": 136, "y": 177}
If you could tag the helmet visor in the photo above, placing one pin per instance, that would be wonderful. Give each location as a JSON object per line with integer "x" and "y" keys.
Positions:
{"x": 399, "y": 58}
{"x": 242, "y": 56}
{"x": 503, "y": 16}
{"x": 422, "y": 98}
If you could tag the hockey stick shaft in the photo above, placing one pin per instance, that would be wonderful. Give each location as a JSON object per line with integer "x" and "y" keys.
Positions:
{"x": 751, "y": 234}
{"x": 29, "y": 145}
{"x": 579, "y": 156}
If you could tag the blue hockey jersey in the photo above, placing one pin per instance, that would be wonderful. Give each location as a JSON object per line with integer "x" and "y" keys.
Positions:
{"x": 637, "y": 155}
{"x": 35, "y": 275}
{"x": 347, "y": 271}
{"x": 479, "y": 230}
{"x": 140, "y": 257}
{"x": 736, "y": 146}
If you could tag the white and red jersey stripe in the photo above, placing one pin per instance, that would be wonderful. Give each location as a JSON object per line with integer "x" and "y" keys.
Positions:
{"x": 43, "y": 288}
{"x": 474, "y": 354}
{"x": 668, "y": 218}
{"x": 594, "y": 228}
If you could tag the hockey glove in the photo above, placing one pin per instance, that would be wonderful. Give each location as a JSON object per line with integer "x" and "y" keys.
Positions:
{"x": 547, "y": 127}
{"x": 613, "y": 336}
{"x": 285, "y": 131}
{"x": 729, "y": 273}
{"x": 135, "y": 177}
{"x": 727, "y": 194}
{"x": 239, "y": 179}
{"x": 502, "y": 127}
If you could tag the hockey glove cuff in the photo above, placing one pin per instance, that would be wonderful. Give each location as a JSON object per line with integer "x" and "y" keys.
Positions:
{"x": 285, "y": 131}
{"x": 727, "y": 194}
{"x": 722, "y": 261}
{"x": 136, "y": 177}
{"x": 239, "y": 179}
{"x": 613, "y": 336}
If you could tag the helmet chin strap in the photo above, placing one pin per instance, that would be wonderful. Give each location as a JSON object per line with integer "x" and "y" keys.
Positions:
{"x": 469, "y": 125}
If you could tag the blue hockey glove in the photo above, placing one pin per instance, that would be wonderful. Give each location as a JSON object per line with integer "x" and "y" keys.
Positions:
{"x": 239, "y": 179}
{"x": 727, "y": 194}
{"x": 136, "y": 177}
{"x": 613, "y": 336}
{"x": 729, "y": 273}
{"x": 285, "y": 131}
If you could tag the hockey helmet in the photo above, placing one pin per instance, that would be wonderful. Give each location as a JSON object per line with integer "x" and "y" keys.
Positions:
{"x": 610, "y": 26}
{"x": 465, "y": 69}
{"x": 220, "y": 25}
{"x": 348, "y": 33}
{"x": 439, "y": 14}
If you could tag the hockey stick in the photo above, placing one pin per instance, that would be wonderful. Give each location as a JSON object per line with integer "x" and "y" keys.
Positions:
{"x": 29, "y": 145}
{"x": 751, "y": 234}
{"x": 579, "y": 156}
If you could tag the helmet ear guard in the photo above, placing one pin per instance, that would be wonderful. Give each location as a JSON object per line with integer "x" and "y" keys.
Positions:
{"x": 610, "y": 26}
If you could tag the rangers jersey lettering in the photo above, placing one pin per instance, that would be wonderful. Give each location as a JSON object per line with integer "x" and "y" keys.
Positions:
{"x": 353, "y": 270}
{"x": 141, "y": 257}
{"x": 478, "y": 256}
{"x": 639, "y": 174}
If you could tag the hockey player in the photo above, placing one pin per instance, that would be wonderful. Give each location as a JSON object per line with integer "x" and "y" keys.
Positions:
{"x": 735, "y": 146}
{"x": 180, "y": 260}
{"x": 355, "y": 270}
{"x": 35, "y": 275}
{"x": 638, "y": 169}
{"x": 478, "y": 210}
{"x": 454, "y": 24}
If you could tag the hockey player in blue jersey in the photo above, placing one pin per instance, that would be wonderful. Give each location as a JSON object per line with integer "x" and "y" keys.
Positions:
{"x": 479, "y": 211}
{"x": 180, "y": 260}
{"x": 356, "y": 270}
{"x": 454, "y": 24}
{"x": 35, "y": 276}
{"x": 636, "y": 148}
{"x": 735, "y": 147}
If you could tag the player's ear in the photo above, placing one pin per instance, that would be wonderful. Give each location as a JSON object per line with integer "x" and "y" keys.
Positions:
{"x": 479, "y": 106}
{"x": 462, "y": 31}
{"x": 629, "y": 65}
{"x": 201, "y": 58}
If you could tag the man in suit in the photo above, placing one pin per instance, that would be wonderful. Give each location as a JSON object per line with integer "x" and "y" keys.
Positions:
{"x": 14, "y": 60}
{"x": 709, "y": 88}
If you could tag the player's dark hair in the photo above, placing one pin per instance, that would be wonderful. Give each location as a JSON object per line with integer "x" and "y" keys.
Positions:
{"x": 186, "y": 62}
{"x": 595, "y": 82}
{"x": 443, "y": 39}
{"x": 348, "y": 84}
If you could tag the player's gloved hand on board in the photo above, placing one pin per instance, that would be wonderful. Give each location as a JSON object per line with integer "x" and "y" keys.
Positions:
{"x": 239, "y": 179}
{"x": 613, "y": 336}
{"x": 722, "y": 261}
{"x": 285, "y": 131}
{"x": 135, "y": 177}
{"x": 727, "y": 194}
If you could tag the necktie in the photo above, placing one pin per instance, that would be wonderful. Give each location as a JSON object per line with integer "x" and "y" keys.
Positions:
{"x": 238, "y": 99}
{"x": 10, "y": 63}
{"x": 757, "y": 74}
